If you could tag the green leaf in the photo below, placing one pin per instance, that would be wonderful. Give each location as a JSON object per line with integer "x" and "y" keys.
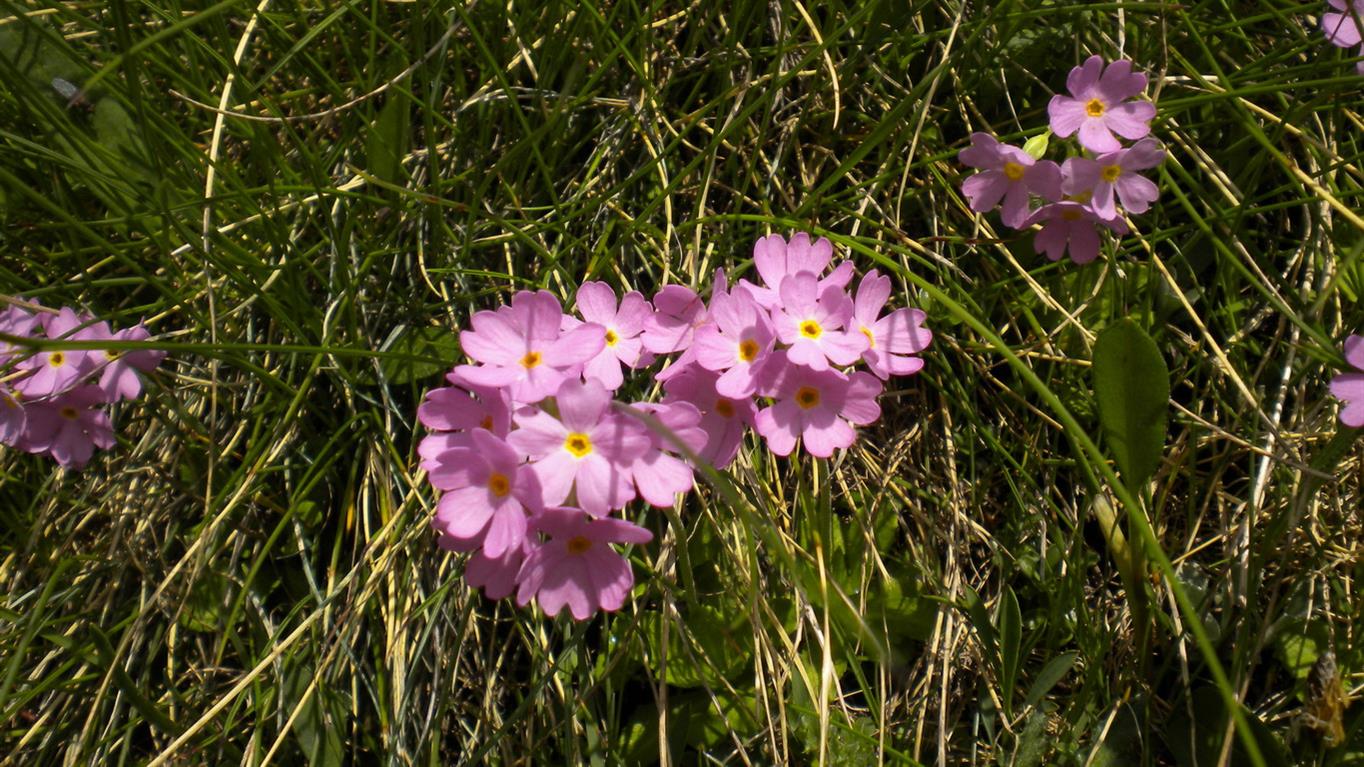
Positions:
{"x": 1199, "y": 740}
{"x": 386, "y": 143}
{"x": 1010, "y": 645}
{"x": 1132, "y": 386}
{"x": 1055, "y": 670}
{"x": 321, "y": 721}
{"x": 439, "y": 346}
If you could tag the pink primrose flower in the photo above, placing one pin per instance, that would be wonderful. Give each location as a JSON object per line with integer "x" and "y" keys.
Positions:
{"x": 736, "y": 343}
{"x": 723, "y": 419}
{"x": 811, "y": 318}
{"x": 577, "y": 566}
{"x": 1071, "y": 225}
{"x": 453, "y": 411}
{"x": 495, "y": 575}
{"x": 1115, "y": 174}
{"x": 819, "y": 407}
{"x": 1007, "y": 173}
{"x": 56, "y": 371}
{"x": 776, "y": 259}
{"x": 658, "y": 475}
{"x": 1342, "y": 27}
{"x": 488, "y": 494}
{"x": 621, "y": 331}
{"x": 587, "y": 449}
{"x": 16, "y": 321}
{"x": 678, "y": 312}
{"x": 69, "y": 427}
{"x": 522, "y": 347}
{"x": 120, "y": 378}
{"x": 1349, "y": 387}
{"x": 892, "y": 340}
{"x": 1098, "y": 105}
{"x": 12, "y": 420}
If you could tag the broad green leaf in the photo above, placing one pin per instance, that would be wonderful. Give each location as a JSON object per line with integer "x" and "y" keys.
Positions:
{"x": 387, "y": 140}
{"x": 1010, "y": 645}
{"x": 1132, "y": 386}
{"x": 1200, "y": 740}
{"x": 440, "y": 347}
{"x": 1054, "y": 671}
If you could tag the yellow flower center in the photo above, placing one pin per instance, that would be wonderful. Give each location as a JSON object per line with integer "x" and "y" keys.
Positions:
{"x": 56, "y": 359}
{"x": 811, "y": 329}
{"x": 1071, "y": 214}
{"x": 1110, "y": 173}
{"x": 871, "y": 339}
{"x": 530, "y": 360}
{"x": 748, "y": 350}
{"x": 611, "y": 338}
{"x": 112, "y": 354}
{"x": 11, "y": 399}
{"x": 578, "y": 444}
{"x": 807, "y": 397}
{"x": 578, "y": 545}
{"x": 499, "y": 485}
{"x": 725, "y": 408}
{"x": 1094, "y": 108}
{"x": 69, "y": 413}
{"x": 1013, "y": 171}
{"x": 486, "y": 423}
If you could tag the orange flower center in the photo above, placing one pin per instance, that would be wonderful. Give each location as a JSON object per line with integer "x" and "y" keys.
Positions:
{"x": 1013, "y": 171}
{"x": 499, "y": 485}
{"x": 530, "y": 360}
{"x": 486, "y": 423}
{"x": 725, "y": 408}
{"x": 748, "y": 350}
{"x": 807, "y": 397}
{"x": 1094, "y": 108}
{"x": 69, "y": 413}
{"x": 1071, "y": 214}
{"x": 578, "y": 545}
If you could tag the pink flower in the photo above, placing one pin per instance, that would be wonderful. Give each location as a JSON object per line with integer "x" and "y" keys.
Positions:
{"x": 17, "y": 321}
{"x": 1070, "y": 225}
{"x": 69, "y": 427}
{"x": 577, "y": 566}
{"x": 776, "y": 259}
{"x": 587, "y": 449}
{"x": 495, "y": 575}
{"x": 488, "y": 494}
{"x": 12, "y": 420}
{"x": 678, "y": 312}
{"x": 521, "y": 347}
{"x": 60, "y": 369}
{"x": 819, "y": 407}
{"x": 1115, "y": 173}
{"x": 120, "y": 377}
{"x": 658, "y": 476}
{"x": 1342, "y": 28}
{"x": 1008, "y": 173}
{"x": 891, "y": 340}
{"x": 1097, "y": 106}
{"x": 736, "y": 343}
{"x": 724, "y": 420}
{"x": 621, "y": 330}
{"x": 810, "y": 319}
{"x": 1349, "y": 387}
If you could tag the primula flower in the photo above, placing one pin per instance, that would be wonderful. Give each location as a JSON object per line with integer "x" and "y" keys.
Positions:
{"x": 1071, "y": 225}
{"x": 16, "y": 321}
{"x": 776, "y": 259}
{"x": 488, "y": 494}
{"x": 1113, "y": 174}
{"x": 1342, "y": 27}
{"x": 1349, "y": 387}
{"x": 69, "y": 427}
{"x": 891, "y": 340}
{"x": 587, "y": 448}
{"x": 678, "y": 312}
{"x": 495, "y": 575}
{"x": 811, "y": 319}
{"x": 12, "y": 420}
{"x": 1007, "y": 173}
{"x": 736, "y": 343}
{"x": 521, "y": 347}
{"x": 120, "y": 378}
{"x": 1098, "y": 105}
{"x": 723, "y": 419}
{"x": 818, "y": 407}
{"x": 577, "y": 566}
{"x": 658, "y": 476}
{"x": 60, "y": 369}
{"x": 621, "y": 330}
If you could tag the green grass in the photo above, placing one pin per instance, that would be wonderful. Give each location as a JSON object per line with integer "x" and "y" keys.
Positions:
{"x": 249, "y": 576}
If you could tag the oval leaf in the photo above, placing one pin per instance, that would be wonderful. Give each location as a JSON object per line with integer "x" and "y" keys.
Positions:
{"x": 1132, "y": 386}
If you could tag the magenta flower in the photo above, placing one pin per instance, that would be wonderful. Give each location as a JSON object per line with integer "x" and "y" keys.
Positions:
{"x": 621, "y": 330}
{"x": 521, "y": 347}
{"x": 659, "y": 476}
{"x": 811, "y": 318}
{"x": 1349, "y": 387}
{"x": 587, "y": 450}
{"x": 1342, "y": 27}
{"x": 488, "y": 494}
{"x": 1100, "y": 179}
{"x": 577, "y": 566}
{"x": 1071, "y": 225}
{"x": 69, "y": 427}
{"x": 495, "y": 575}
{"x": 891, "y": 340}
{"x": 60, "y": 369}
{"x": 818, "y": 407}
{"x": 724, "y": 420}
{"x": 776, "y": 259}
{"x": 120, "y": 377}
{"x": 12, "y": 420}
{"x": 16, "y": 321}
{"x": 736, "y": 343}
{"x": 1098, "y": 105}
{"x": 1007, "y": 173}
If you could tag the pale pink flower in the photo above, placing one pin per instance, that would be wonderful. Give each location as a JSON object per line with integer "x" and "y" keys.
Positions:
{"x": 1115, "y": 174}
{"x": 120, "y": 378}
{"x": 811, "y": 320}
{"x": 1341, "y": 27}
{"x": 736, "y": 343}
{"x": 488, "y": 494}
{"x": 586, "y": 450}
{"x": 58, "y": 370}
{"x": 819, "y": 407}
{"x": 678, "y": 312}
{"x": 452, "y": 411}
{"x": 621, "y": 329}
{"x": 521, "y": 347}
{"x": 724, "y": 420}
{"x": 69, "y": 427}
{"x": 658, "y": 475}
{"x": 1071, "y": 226}
{"x": 1098, "y": 105}
{"x": 892, "y": 340}
{"x": 577, "y": 566}
{"x": 495, "y": 575}
{"x": 1349, "y": 387}
{"x": 12, "y": 420}
{"x": 776, "y": 259}
{"x": 1007, "y": 173}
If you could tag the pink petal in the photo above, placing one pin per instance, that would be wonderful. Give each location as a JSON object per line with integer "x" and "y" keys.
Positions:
{"x": 1354, "y": 351}
{"x": 1137, "y": 192}
{"x": 576, "y": 346}
{"x": 634, "y": 312}
{"x": 1095, "y": 136}
{"x": 597, "y": 303}
{"x": 902, "y": 332}
{"x": 769, "y": 258}
{"x": 1341, "y": 29}
{"x": 1066, "y": 115}
{"x": 1084, "y": 77}
{"x": 494, "y": 340}
{"x": 842, "y": 348}
{"x": 822, "y": 441}
{"x": 983, "y": 153}
{"x": 1084, "y": 242}
{"x": 1119, "y": 83}
{"x": 872, "y": 293}
{"x": 985, "y": 189}
{"x": 1131, "y": 121}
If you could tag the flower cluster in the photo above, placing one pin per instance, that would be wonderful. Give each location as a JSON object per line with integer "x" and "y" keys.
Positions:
{"x": 1087, "y": 192}
{"x": 1341, "y": 26}
{"x": 1349, "y": 387}
{"x": 55, "y": 402}
{"x": 532, "y": 454}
